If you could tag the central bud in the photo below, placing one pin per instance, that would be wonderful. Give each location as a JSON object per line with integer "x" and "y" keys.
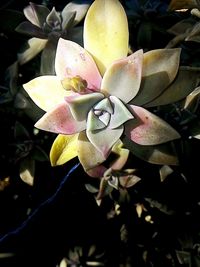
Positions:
{"x": 75, "y": 84}
{"x": 103, "y": 111}
{"x": 100, "y": 115}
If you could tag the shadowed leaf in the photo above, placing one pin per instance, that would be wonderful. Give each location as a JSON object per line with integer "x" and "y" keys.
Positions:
{"x": 183, "y": 4}
{"x": 195, "y": 129}
{"x": 185, "y": 82}
{"x": 78, "y": 11}
{"x": 47, "y": 66}
{"x": 164, "y": 171}
{"x": 29, "y": 29}
{"x": 36, "y": 14}
{"x": 160, "y": 67}
{"x": 128, "y": 180}
{"x": 164, "y": 154}
{"x": 85, "y": 148}
{"x": 182, "y": 27}
{"x": 194, "y": 34}
{"x": 192, "y": 100}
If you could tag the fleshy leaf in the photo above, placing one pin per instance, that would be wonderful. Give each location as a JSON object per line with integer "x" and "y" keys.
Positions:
{"x": 23, "y": 102}
{"x": 104, "y": 139}
{"x": 35, "y": 46}
{"x": 72, "y": 60}
{"x": 121, "y": 113}
{"x": 80, "y": 11}
{"x": 160, "y": 68}
{"x": 80, "y": 105}
{"x": 182, "y": 4}
{"x": 85, "y": 148}
{"x": 36, "y": 14}
{"x": 104, "y": 115}
{"x": 97, "y": 171}
{"x": 60, "y": 120}
{"x": 182, "y": 27}
{"x": 32, "y": 30}
{"x": 195, "y": 129}
{"x": 94, "y": 123}
{"x": 92, "y": 188}
{"x": 47, "y": 65}
{"x": 194, "y": 34}
{"x": 53, "y": 19}
{"x": 46, "y": 91}
{"x": 122, "y": 155}
{"x": 185, "y": 82}
{"x": 123, "y": 77}
{"x": 105, "y": 118}
{"x": 64, "y": 148}
{"x": 192, "y": 100}
{"x": 104, "y": 189}
{"x": 76, "y": 35}
{"x": 149, "y": 129}
{"x": 164, "y": 172}
{"x": 128, "y": 180}
{"x": 68, "y": 21}
{"x": 27, "y": 170}
{"x": 155, "y": 61}
{"x": 104, "y": 105}
{"x": 164, "y": 154}
{"x": 106, "y": 32}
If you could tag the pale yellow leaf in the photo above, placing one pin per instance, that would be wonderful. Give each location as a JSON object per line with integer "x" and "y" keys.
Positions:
{"x": 35, "y": 46}
{"x": 27, "y": 171}
{"x": 63, "y": 149}
{"x": 165, "y": 171}
{"x": 46, "y": 91}
{"x": 106, "y": 32}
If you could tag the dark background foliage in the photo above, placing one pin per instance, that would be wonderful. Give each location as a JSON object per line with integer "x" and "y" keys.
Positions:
{"x": 40, "y": 224}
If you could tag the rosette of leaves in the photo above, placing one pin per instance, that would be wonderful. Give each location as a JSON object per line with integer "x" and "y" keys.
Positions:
{"x": 21, "y": 147}
{"x": 46, "y": 27}
{"x": 83, "y": 256}
{"x": 97, "y": 99}
{"x": 186, "y": 30}
{"x": 14, "y": 98}
{"x": 114, "y": 180}
{"x": 22, "y": 150}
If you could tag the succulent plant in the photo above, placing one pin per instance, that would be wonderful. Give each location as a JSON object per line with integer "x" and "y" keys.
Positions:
{"x": 100, "y": 94}
{"x": 46, "y": 27}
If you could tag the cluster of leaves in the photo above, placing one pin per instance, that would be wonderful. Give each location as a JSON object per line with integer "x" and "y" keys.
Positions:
{"x": 150, "y": 207}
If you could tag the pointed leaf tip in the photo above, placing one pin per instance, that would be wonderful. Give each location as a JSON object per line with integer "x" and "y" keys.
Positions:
{"x": 106, "y": 32}
{"x": 158, "y": 130}
{"x": 64, "y": 148}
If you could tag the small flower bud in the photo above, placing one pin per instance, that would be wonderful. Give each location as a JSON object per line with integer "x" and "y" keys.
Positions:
{"x": 76, "y": 84}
